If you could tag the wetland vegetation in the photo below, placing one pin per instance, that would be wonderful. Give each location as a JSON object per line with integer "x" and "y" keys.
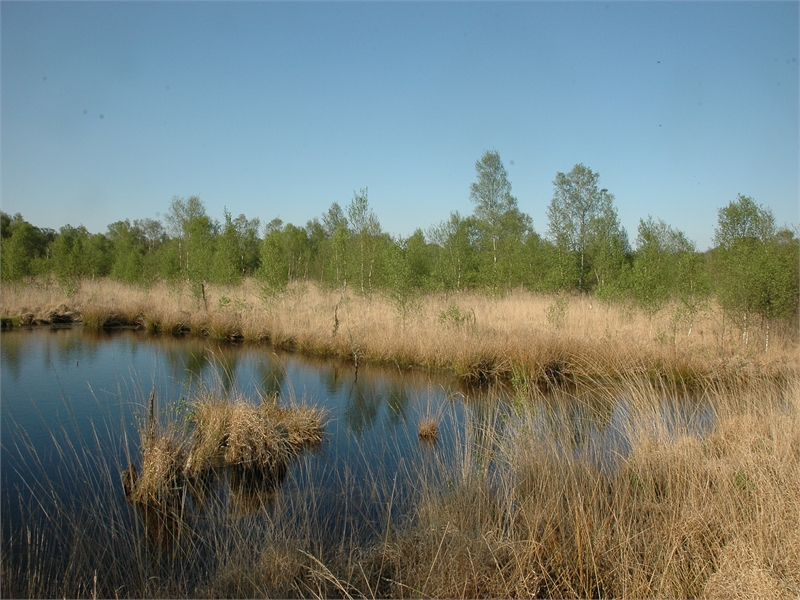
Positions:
{"x": 624, "y": 423}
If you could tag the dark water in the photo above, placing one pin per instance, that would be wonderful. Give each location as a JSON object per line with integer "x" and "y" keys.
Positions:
{"x": 72, "y": 403}
{"x": 67, "y": 386}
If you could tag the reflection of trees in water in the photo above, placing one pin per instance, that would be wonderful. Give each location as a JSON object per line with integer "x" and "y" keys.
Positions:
{"x": 271, "y": 376}
{"x": 397, "y": 401}
{"x": 253, "y": 488}
{"x": 363, "y": 404}
{"x": 185, "y": 359}
{"x": 71, "y": 345}
{"x": 68, "y": 345}
{"x": 196, "y": 362}
{"x": 225, "y": 362}
{"x": 334, "y": 378}
{"x": 485, "y": 409}
{"x": 11, "y": 351}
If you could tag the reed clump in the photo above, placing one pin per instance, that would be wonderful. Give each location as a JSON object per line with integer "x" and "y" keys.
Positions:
{"x": 253, "y": 439}
{"x": 228, "y": 433}
{"x": 159, "y": 481}
{"x": 428, "y": 430}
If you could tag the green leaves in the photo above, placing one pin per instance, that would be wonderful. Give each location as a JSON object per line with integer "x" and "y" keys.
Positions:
{"x": 500, "y": 225}
{"x": 584, "y": 223}
{"x": 755, "y": 267}
{"x": 23, "y": 247}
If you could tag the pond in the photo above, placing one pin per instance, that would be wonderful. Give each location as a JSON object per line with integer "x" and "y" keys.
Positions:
{"x": 73, "y": 405}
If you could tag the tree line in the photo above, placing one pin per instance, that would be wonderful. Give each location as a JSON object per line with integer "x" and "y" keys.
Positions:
{"x": 752, "y": 269}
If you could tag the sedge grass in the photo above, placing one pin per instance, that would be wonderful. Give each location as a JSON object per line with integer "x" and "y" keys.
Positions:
{"x": 479, "y": 337}
{"x": 520, "y": 503}
{"x": 681, "y": 515}
{"x": 428, "y": 430}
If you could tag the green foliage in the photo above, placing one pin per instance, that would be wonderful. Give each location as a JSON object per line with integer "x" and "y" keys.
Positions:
{"x": 273, "y": 272}
{"x": 366, "y": 231}
{"x": 128, "y": 245}
{"x": 73, "y": 256}
{"x": 335, "y": 247}
{"x": 237, "y": 252}
{"x": 23, "y": 247}
{"x": 548, "y": 268}
{"x": 556, "y": 313}
{"x": 455, "y": 266}
{"x": 227, "y": 267}
{"x": 755, "y": 268}
{"x": 401, "y": 285}
{"x": 661, "y": 262}
{"x": 197, "y": 236}
{"x": 743, "y": 219}
{"x": 456, "y": 317}
{"x": 419, "y": 258}
{"x": 500, "y": 225}
{"x": 584, "y": 223}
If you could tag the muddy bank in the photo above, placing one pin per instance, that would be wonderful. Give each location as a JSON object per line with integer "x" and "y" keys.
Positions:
{"x": 61, "y": 314}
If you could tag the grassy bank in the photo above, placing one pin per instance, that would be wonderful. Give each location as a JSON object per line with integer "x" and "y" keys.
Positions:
{"x": 681, "y": 515}
{"x": 518, "y": 506}
{"x": 519, "y": 336}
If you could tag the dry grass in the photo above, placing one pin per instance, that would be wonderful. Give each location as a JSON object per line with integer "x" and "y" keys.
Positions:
{"x": 255, "y": 440}
{"x": 517, "y": 506}
{"x": 524, "y": 509}
{"x": 477, "y": 336}
{"x": 683, "y": 513}
{"x": 159, "y": 482}
{"x": 681, "y": 516}
{"x": 428, "y": 429}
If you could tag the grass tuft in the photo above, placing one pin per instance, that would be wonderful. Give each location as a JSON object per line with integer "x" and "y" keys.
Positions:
{"x": 428, "y": 430}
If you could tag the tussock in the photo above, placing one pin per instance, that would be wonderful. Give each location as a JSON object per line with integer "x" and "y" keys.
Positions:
{"x": 428, "y": 429}
{"x": 158, "y": 484}
{"x": 258, "y": 442}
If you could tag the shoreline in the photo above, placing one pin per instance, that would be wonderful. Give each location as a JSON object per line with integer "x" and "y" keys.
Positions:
{"x": 522, "y": 338}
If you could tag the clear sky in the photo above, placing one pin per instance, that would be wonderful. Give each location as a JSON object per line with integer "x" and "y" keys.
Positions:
{"x": 109, "y": 109}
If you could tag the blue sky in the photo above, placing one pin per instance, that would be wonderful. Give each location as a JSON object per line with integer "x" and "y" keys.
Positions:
{"x": 109, "y": 109}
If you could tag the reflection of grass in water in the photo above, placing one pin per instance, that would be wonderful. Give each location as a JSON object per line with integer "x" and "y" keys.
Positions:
{"x": 513, "y": 507}
{"x": 479, "y": 337}
{"x": 680, "y": 516}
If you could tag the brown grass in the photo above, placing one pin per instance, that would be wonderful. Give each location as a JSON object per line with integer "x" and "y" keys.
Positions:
{"x": 428, "y": 429}
{"x": 479, "y": 337}
{"x": 681, "y": 516}
{"x": 522, "y": 510}
{"x": 222, "y": 433}
{"x": 159, "y": 482}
